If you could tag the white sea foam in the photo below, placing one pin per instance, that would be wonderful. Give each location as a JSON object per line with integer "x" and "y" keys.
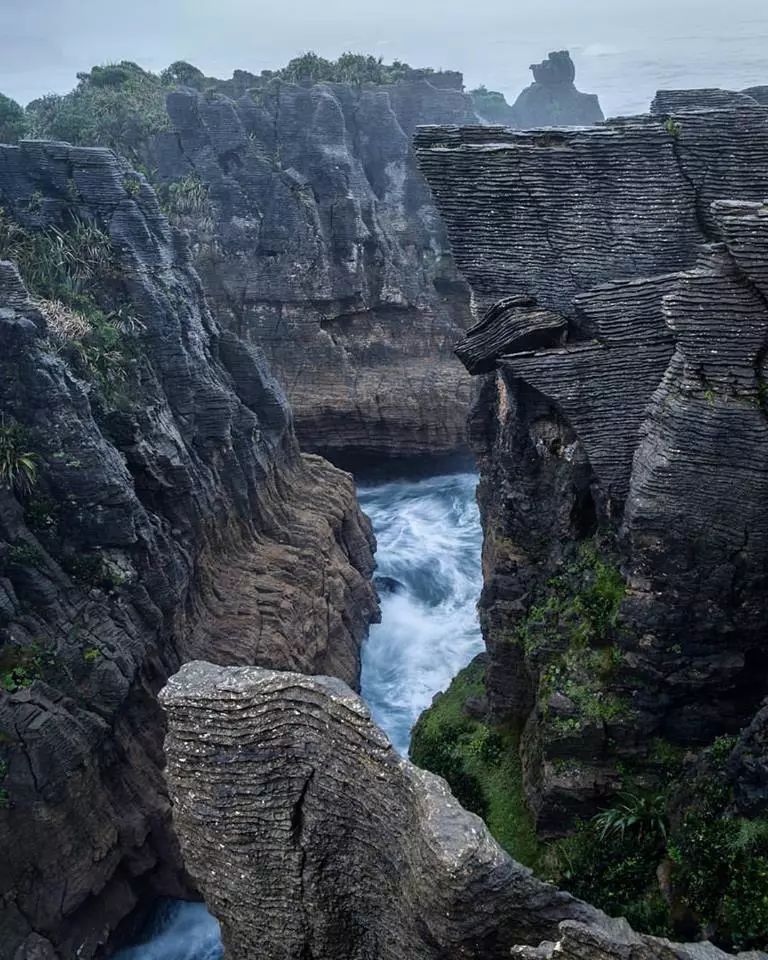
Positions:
{"x": 428, "y": 571}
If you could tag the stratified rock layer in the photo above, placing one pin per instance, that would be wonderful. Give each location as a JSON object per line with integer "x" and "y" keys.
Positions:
{"x": 220, "y": 538}
{"x": 316, "y": 238}
{"x": 644, "y": 435}
{"x": 311, "y": 837}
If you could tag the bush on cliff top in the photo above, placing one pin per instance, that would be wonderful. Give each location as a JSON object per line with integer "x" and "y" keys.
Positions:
{"x": 117, "y": 105}
{"x": 13, "y": 122}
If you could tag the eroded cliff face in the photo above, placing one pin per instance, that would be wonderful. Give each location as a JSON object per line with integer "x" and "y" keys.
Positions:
{"x": 167, "y": 514}
{"x": 624, "y": 469}
{"x": 310, "y": 836}
{"x": 316, "y": 238}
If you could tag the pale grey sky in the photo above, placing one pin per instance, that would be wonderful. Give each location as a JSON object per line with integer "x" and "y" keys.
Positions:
{"x": 624, "y": 49}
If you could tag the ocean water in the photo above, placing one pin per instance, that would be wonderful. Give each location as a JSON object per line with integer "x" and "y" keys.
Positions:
{"x": 429, "y": 580}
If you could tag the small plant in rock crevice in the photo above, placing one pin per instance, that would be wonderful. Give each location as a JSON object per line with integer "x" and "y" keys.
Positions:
{"x": 18, "y": 463}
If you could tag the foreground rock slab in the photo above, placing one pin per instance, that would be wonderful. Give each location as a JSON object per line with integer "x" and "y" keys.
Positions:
{"x": 310, "y": 837}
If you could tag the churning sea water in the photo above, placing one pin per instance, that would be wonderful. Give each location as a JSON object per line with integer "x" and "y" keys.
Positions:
{"x": 429, "y": 579}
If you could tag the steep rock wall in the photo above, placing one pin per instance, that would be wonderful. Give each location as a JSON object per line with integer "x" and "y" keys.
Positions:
{"x": 172, "y": 516}
{"x": 310, "y": 837}
{"x": 318, "y": 240}
{"x": 639, "y": 445}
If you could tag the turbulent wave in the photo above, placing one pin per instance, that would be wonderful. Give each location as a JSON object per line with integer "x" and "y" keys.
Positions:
{"x": 429, "y": 579}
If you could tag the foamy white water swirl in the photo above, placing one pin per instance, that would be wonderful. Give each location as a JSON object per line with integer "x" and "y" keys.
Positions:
{"x": 429, "y": 579}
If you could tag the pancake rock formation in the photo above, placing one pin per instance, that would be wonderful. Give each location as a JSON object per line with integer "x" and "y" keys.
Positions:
{"x": 310, "y": 837}
{"x": 154, "y": 508}
{"x": 317, "y": 239}
{"x": 630, "y": 457}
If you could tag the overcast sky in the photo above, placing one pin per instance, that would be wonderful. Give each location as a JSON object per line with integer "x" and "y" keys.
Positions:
{"x": 624, "y": 49}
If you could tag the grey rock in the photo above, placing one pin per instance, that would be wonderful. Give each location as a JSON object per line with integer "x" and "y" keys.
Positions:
{"x": 310, "y": 836}
{"x": 650, "y": 236}
{"x": 229, "y": 542}
{"x": 552, "y": 100}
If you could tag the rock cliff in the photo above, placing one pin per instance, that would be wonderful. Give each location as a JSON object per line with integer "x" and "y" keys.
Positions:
{"x": 624, "y": 469}
{"x": 312, "y": 228}
{"x": 154, "y": 507}
{"x": 310, "y": 837}
{"x": 317, "y": 239}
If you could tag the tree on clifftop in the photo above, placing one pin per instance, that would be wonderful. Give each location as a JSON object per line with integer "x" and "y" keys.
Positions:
{"x": 13, "y": 123}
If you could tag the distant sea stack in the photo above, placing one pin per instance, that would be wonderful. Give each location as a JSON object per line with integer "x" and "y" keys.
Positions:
{"x": 552, "y": 100}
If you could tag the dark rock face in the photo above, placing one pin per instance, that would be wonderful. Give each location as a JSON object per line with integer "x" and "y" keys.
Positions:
{"x": 643, "y": 437}
{"x": 318, "y": 240}
{"x": 309, "y": 836}
{"x": 552, "y": 100}
{"x": 222, "y": 540}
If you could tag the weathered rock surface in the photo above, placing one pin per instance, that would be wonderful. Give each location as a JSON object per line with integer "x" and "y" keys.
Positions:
{"x": 179, "y": 522}
{"x": 644, "y": 433}
{"x": 318, "y": 240}
{"x": 552, "y": 100}
{"x": 310, "y": 836}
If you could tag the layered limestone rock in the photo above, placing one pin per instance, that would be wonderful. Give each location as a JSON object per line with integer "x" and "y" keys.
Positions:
{"x": 168, "y": 514}
{"x": 631, "y": 459}
{"x": 316, "y": 238}
{"x": 311, "y": 837}
{"x": 552, "y": 100}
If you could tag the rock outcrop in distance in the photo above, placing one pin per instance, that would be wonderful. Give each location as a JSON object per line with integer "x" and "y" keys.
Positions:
{"x": 313, "y": 230}
{"x": 624, "y": 470}
{"x": 552, "y": 100}
{"x": 154, "y": 508}
{"x": 311, "y": 837}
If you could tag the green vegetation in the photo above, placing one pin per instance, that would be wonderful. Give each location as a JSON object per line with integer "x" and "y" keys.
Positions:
{"x": 73, "y": 275}
{"x": 715, "y": 862}
{"x": 673, "y": 127}
{"x": 480, "y": 762}
{"x": 21, "y": 666}
{"x": 490, "y": 104}
{"x": 18, "y": 464}
{"x": 13, "y": 122}
{"x": 349, "y": 68}
{"x": 91, "y": 654}
{"x": 187, "y": 197}
{"x": 580, "y": 607}
{"x": 118, "y": 105}
{"x": 24, "y": 555}
{"x": 91, "y": 569}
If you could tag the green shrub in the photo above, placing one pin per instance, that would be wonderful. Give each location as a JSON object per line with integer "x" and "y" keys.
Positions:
{"x": 117, "y": 105}
{"x": 18, "y": 464}
{"x": 13, "y": 122}
{"x": 21, "y": 666}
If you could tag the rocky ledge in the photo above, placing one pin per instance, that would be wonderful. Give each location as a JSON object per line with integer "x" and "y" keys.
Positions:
{"x": 311, "y": 837}
{"x": 154, "y": 507}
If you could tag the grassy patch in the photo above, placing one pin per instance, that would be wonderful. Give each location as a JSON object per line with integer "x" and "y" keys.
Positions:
{"x": 480, "y": 762}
